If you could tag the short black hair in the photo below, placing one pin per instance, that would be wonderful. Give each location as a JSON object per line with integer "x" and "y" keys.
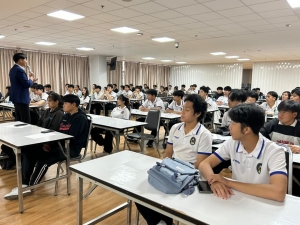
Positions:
{"x": 258, "y": 89}
{"x": 66, "y": 84}
{"x": 183, "y": 85}
{"x": 138, "y": 87}
{"x": 248, "y": 115}
{"x": 152, "y": 92}
{"x": 70, "y": 86}
{"x": 71, "y": 99}
{"x": 131, "y": 84}
{"x": 219, "y": 88}
{"x": 39, "y": 87}
{"x": 125, "y": 100}
{"x": 154, "y": 85}
{"x": 199, "y": 105}
{"x": 98, "y": 86}
{"x": 170, "y": 85}
{"x": 253, "y": 94}
{"x": 273, "y": 93}
{"x": 77, "y": 86}
{"x": 205, "y": 89}
{"x": 33, "y": 85}
{"x": 18, "y": 56}
{"x": 296, "y": 91}
{"x": 115, "y": 85}
{"x": 227, "y": 88}
{"x": 238, "y": 95}
{"x": 127, "y": 86}
{"x": 109, "y": 85}
{"x": 176, "y": 88}
{"x": 178, "y": 93}
{"x": 47, "y": 86}
{"x": 122, "y": 86}
{"x": 194, "y": 85}
{"x": 290, "y": 106}
{"x": 289, "y": 93}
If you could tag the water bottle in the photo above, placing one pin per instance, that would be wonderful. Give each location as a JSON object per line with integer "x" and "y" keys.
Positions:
{"x": 9, "y": 102}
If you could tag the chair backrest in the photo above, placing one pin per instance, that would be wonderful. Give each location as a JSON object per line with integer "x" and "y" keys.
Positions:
{"x": 289, "y": 167}
{"x": 153, "y": 120}
{"x": 90, "y": 124}
{"x": 89, "y": 105}
{"x": 166, "y": 104}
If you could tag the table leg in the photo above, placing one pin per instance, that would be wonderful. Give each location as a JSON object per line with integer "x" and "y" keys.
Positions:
{"x": 129, "y": 207}
{"x": 19, "y": 178}
{"x": 117, "y": 140}
{"x": 79, "y": 200}
{"x": 104, "y": 108}
{"x": 67, "y": 146}
{"x": 3, "y": 115}
{"x": 142, "y": 139}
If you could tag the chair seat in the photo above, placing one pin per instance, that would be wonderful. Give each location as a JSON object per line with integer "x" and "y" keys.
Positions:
{"x": 137, "y": 136}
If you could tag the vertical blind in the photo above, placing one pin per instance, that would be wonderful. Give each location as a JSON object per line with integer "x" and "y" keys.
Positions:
{"x": 276, "y": 76}
{"x": 211, "y": 75}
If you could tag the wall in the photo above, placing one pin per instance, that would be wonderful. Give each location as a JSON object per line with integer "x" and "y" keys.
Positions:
{"x": 98, "y": 72}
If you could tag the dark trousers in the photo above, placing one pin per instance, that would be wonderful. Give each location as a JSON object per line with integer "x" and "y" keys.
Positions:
{"x": 22, "y": 112}
{"x": 109, "y": 106}
{"x": 96, "y": 134}
{"x": 35, "y": 163}
{"x": 152, "y": 217}
{"x": 97, "y": 108}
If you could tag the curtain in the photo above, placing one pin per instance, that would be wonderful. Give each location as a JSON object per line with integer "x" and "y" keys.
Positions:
{"x": 50, "y": 68}
{"x": 211, "y": 75}
{"x": 155, "y": 74}
{"x": 132, "y": 73}
{"x": 276, "y": 76}
{"x": 115, "y": 76}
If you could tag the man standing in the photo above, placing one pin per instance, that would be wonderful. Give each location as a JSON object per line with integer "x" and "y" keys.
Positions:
{"x": 19, "y": 87}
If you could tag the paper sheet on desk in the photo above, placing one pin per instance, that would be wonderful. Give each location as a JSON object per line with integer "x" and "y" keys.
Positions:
{"x": 41, "y": 135}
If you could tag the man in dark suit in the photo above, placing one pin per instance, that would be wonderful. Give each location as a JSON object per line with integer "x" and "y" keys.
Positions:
{"x": 20, "y": 84}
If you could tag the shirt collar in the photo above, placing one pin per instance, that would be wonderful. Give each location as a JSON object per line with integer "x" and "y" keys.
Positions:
{"x": 257, "y": 150}
{"x": 195, "y": 131}
{"x": 20, "y": 66}
{"x": 292, "y": 125}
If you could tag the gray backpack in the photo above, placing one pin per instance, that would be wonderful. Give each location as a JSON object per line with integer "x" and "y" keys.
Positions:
{"x": 173, "y": 176}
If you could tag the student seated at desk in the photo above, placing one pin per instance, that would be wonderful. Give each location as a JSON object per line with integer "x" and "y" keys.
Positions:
{"x": 286, "y": 95}
{"x": 162, "y": 92}
{"x": 127, "y": 92}
{"x": 286, "y": 128}
{"x": 77, "y": 91}
{"x": 70, "y": 90}
{"x": 271, "y": 102}
{"x": 189, "y": 141}
{"x": 176, "y": 106}
{"x": 252, "y": 97}
{"x": 223, "y": 100}
{"x": 85, "y": 98}
{"x": 121, "y": 91}
{"x": 183, "y": 88}
{"x": 236, "y": 97}
{"x": 7, "y": 94}
{"x": 258, "y": 164}
{"x": 75, "y": 123}
{"x": 48, "y": 90}
{"x": 32, "y": 95}
{"x": 96, "y": 96}
{"x": 152, "y": 103}
{"x": 204, "y": 94}
{"x": 120, "y": 112}
{"x": 137, "y": 94}
{"x": 109, "y": 95}
{"x": 219, "y": 93}
{"x": 41, "y": 97}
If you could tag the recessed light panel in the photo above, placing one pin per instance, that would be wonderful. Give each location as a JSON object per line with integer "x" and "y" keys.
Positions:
{"x": 1, "y": 36}
{"x": 232, "y": 57}
{"x": 218, "y": 53}
{"x": 148, "y": 58}
{"x": 64, "y": 15}
{"x": 294, "y": 3}
{"x": 85, "y": 49}
{"x": 163, "y": 39}
{"x": 124, "y": 30}
{"x": 45, "y": 43}
{"x": 166, "y": 60}
{"x": 243, "y": 59}
{"x": 181, "y": 62}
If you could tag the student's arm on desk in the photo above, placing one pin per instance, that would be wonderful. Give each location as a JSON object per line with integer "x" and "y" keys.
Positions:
{"x": 294, "y": 148}
{"x": 169, "y": 151}
{"x": 39, "y": 103}
{"x": 172, "y": 111}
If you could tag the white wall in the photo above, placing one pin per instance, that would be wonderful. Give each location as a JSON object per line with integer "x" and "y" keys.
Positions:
{"x": 276, "y": 76}
{"x": 212, "y": 75}
{"x": 98, "y": 72}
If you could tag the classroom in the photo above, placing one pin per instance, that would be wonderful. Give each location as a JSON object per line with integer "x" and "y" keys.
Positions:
{"x": 150, "y": 112}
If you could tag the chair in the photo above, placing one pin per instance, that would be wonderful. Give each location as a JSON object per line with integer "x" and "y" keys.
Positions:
{"x": 153, "y": 124}
{"x": 78, "y": 158}
{"x": 289, "y": 167}
{"x": 88, "y": 107}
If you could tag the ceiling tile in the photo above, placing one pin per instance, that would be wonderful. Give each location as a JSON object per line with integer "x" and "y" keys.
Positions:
{"x": 82, "y": 10}
{"x": 60, "y": 4}
{"x": 38, "y": 23}
{"x": 269, "y": 6}
{"x": 142, "y": 27}
{"x": 236, "y": 12}
{"x": 217, "y": 34}
{"x": 128, "y": 4}
{"x": 148, "y": 8}
{"x": 168, "y": 14}
{"x": 176, "y": 3}
{"x": 187, "y": 32}
{"x": 206, "y": 29}
{"x": 125, "y": 22}
{"x": 145, "y": 19}
{"x": 193, "y": 9}
{"x": 229, "y": 26}
{"x": 161, "y": 23}
{"x": 175, "y": 28}
{"x": 194, "y": 25}
{"x": 49, "y": 19}
{"x": 248, "y": 17}
{"x": 97, "y": 5}
{"x": 105, "y": 17}
{"x": 43, "y": 9}
{"x": 220, "y": 5}
{"x": 29, "y": 14}
{"x": 277, "y": 13}
{"x": 262, "y": 28}
{"x": 88, "y": 21}
{"x": 207, "y": 16}
{"x": 254, "y": 2}
{"x": 72, "y": 24}
{"x": 125, "y": 13}
{"x": 241, "y": 30}
{"x": 285, "y": 19}
{"x": 218, "y": 22}
{"x": 182, "y": 20}
{"x": 254, "y": 23}
{"x": 16, "y": 18}
{"x": 7, "y": 22}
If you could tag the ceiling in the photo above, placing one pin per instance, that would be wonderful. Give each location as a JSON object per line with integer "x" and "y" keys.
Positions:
{"x": 254, "y": 29}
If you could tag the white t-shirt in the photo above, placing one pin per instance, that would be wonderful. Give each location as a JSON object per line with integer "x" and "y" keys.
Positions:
{"x": 267, "y": 108}
{"x": 120, "y": 113}
{"x": 209, "y": 101}
{"x": 141, "y": 95}
{"x": 257, "y": 167}
{"x": 112, "y": 94}
{"x": 170, "y": 92}
{"x": 192, "y": 92}
{"x": 186, "y": 147}
{"x": 226, "y": 119}
{"x": 223, "y": 99}
{"x": 157, "y": 103}
{"x": 84, "y": 100}
{"x": 121, "y": 92}
{"x": 127, "y": 94}
{"x": 97, "y": 96}
{"x": 34, "y": 97}
{"x": 175, "y": 107}
{"x": 45, "y": 98}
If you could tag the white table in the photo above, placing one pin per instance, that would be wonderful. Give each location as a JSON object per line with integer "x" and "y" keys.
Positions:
{"x": 117, "y": 125}
{"x": 11, "y": 106}
{"x": 18, "y": 137}
{"x": 218, "y": 136}
{"x": 224, "y": 107}
{"x": 128, "y": 178}
{"x": 104, "y": 102}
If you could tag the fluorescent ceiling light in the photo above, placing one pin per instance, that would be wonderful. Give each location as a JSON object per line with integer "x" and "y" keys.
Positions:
{"x": 166, "y": 60}
{"x": 243, "y": 59}
{"x": 163, "y": 39}
{"x": 232, "y": 57}
{"x": 45, "y": 43}
{"x": 64, "y": 15}
{"x": 1, "y": 36}
{"x": 294, "y": 3}
{"x": 148, "y": 58}
{"x": 85, "y": 49}
{"x": 218, "y": 53}
{"x": 124, "y": 30}
{"x": 181, "y": 62}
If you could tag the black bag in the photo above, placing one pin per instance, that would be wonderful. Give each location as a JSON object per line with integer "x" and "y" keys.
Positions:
{"x": 7, "y": 163}
{"x": 224, "y": 131}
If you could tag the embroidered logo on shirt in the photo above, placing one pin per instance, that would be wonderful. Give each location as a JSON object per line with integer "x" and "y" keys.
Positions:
{"x": 258, "y": 167}
{"x": 193, "y": 141}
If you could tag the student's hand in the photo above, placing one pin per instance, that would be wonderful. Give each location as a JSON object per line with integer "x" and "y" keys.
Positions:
{"x": 295, "y": 149}
{"x": 221, "y": 190}
{"x": 219, "y": 103}
{"x": 216, "y": 178}
{"x": 142, "y": 108}
{"x": 47, "y": 147}
{"x": 168, "y": 110}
